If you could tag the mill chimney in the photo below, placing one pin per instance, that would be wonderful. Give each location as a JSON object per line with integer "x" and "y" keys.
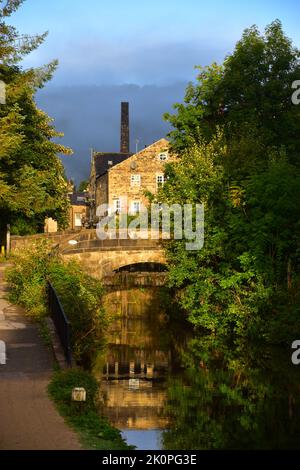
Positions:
{"x": 124, "y": 127}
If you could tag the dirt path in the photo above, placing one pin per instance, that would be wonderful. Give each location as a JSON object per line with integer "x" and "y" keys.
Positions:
{"x": 28, "y": 419}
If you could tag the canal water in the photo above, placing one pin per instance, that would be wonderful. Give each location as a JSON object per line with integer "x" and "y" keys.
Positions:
{"x": 166, "y": 388}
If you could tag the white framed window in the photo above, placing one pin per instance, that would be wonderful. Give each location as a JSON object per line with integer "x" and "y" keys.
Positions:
{"x": 135, "y": 207}
{"x": 160, "y": 179}
{"x": 135, "y": 180}
{"x": 77, "y": 219}
{"x": 117, "y": 205}
{"x": 163, "y": 156}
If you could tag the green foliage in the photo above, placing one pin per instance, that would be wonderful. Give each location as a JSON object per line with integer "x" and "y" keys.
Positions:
{"x": 95, "y": 430}
{"x": 32, "y": 180}
{"x": 83, "y": 185}
{"x": 46, "y": 335}
{"x": 80, "y": 295}
{"x": 27, "y": 279}
{"x": 249, "y": 95}
{"x": 25, "y": 226}
{"x": 238, "y": 155}
{"x": 233, "y": 396}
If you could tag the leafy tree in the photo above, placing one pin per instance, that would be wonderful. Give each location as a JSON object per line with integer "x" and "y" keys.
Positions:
{"x": 249, "y": 94}
{"x": 238, "y": 154}
{"x": 32, "y": 181}
{"x": 83, "y": 185}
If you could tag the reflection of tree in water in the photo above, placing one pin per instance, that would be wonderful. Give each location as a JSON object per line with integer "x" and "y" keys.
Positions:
{"x": 236, "y": 397}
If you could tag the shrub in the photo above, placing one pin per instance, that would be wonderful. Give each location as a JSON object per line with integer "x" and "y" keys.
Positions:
{"x": 80, "y": 295}
{"x": 27, "y": 278}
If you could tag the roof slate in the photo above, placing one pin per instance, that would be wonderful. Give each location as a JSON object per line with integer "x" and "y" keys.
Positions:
{"x": 102, "y": 160}
{"x": 78, "y": 199}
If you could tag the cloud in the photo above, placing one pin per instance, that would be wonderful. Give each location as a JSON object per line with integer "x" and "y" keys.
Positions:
{"x": 89, "y": 116}
{"x": 94, "y": 61}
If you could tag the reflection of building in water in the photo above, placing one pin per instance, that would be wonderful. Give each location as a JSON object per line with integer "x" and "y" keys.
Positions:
{"x": 126, "y": 362}
{"x": 137, "y": 362}
{"x": 135, "y": 403}
{"x": 133, "y": 384}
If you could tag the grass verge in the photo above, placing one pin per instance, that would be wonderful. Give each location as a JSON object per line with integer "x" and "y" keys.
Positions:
{"x": 94, "y": 430}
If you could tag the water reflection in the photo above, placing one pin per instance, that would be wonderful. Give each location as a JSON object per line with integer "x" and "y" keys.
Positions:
{"x": 164, "y": 389}
{"x": 234, "y": 397}
{"x": 142, "y": 353}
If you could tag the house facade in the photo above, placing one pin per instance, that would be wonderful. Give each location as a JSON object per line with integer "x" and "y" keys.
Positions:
{"x": 102, "y": 163}
{"x": 122, "y": 186}
{"x": 79, "y": 210}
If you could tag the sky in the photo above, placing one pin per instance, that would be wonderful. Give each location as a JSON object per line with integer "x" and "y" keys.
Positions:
{"x": 143, "y": 51}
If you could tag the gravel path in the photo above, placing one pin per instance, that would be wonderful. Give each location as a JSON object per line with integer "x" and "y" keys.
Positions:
{"x": 28, "y": 418}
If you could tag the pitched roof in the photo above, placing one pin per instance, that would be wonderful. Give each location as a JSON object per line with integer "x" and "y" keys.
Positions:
{"x": 78, "y": 199}
{"x": 161, "y": 143}
{"x": 104, "y": 161}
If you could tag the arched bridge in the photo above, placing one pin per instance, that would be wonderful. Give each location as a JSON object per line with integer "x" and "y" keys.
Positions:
{"x": 104, "y": 258}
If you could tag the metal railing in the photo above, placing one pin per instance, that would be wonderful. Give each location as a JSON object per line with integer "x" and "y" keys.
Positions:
{"x": 61, "y": 322}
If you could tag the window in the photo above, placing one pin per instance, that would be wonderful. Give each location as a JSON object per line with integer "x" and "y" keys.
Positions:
{"x": 135, "y": 180}
{"x": 77, "y": 221}
{"x": 160, "y": 179}
{"x": 135, "y": 207}
{"x": 163, "y": 156}
{"x": 117, "y": 205}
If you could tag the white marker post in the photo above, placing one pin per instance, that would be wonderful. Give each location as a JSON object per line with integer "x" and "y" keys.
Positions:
{"x": 2, "y": 93}
{"x": 2, "y": 353}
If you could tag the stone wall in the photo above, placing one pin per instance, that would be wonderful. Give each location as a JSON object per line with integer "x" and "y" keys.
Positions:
{"x": 138, "y": 279}
{"x": 103, "y": 262}
{"x": 117, "y": 182}
{"x": 102, "y": 190}
{"x": 58, "y": 238}
{"x": 144, "y": 163}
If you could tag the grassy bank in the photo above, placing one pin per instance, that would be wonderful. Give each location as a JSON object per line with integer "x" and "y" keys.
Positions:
{"x": 85, "y": 418}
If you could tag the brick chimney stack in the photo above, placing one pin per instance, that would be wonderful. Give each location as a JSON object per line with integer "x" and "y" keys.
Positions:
{"x": 124, "y": 127}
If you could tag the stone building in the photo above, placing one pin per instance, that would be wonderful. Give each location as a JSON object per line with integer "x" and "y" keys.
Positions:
{"x": 123, "y": 186}
{"x": 121, "y": 179}
{"x": 79, "y": 210}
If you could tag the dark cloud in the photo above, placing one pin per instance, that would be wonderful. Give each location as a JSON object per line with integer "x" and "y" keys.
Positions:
{"x": 89, "y": 116}
{"x": 94, "y": 61}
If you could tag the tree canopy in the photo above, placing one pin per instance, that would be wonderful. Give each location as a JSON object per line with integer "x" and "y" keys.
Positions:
{"x": 236, "y": 136}
{"x": 249, "y": 95}
{"x": 32, "y": 180}
{"x": 83, "y": 185}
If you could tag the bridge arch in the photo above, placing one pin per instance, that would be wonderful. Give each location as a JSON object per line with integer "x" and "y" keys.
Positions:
{"x": 103, "y": 262}
{"x": 146, "y": 266}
